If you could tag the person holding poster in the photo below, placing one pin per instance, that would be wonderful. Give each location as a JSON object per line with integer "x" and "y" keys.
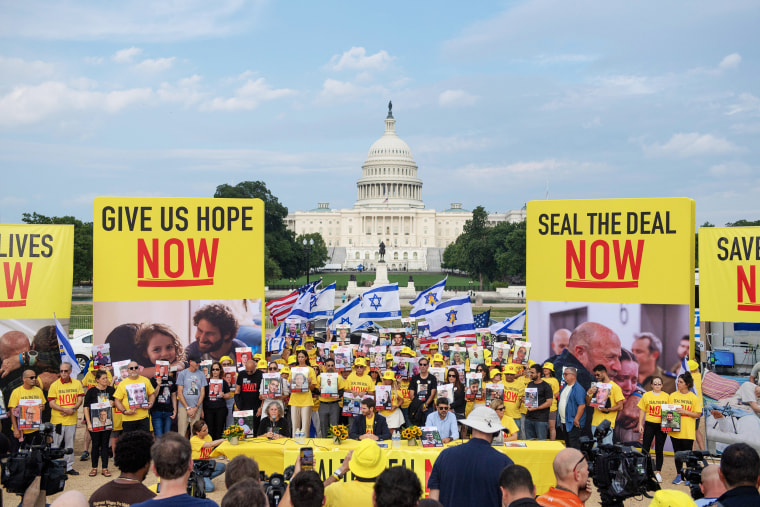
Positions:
{"x": 424, "y": 386}
{"x": 690, "y": 408}
{"x": 444, "y": 421}
{"x": 191, "y": 391}
{"x": 247, "y": 390}
{"x": 134, "y": 418}
{"x": 164, "y": 410}
{"x": 100, "y": 393}
{"x": 65, "y": 397}
{"x": 548, "y": 371}
{"x": 537, "y": 417}
{"x": 301, "y": 403}
{"x": 216, "y": 328}
{"x": 607, "y": 409}
{"x": 650, "y": 418}
{"x": 215, "y": 404}
{"x": 331, "y": 387}
{"x": 27, "y": 391}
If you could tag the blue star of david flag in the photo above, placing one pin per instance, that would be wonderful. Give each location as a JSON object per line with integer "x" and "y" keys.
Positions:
{"x": 67, "y": 353}
{"x": 276, "y": 341}
{"x": 348, "y": 313}
{"x": 481, "y": 319}
{"x": 323, "y": 303}
{"x": 302, "y": 307}
{"x": 426, "y": 300}
{"x": 510, "y": 325}
{"x": 381, "y": 303}
{"x": 452, "y": 318}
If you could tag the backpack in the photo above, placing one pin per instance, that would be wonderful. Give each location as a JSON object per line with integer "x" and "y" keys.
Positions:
{"x": 417, "y": 412}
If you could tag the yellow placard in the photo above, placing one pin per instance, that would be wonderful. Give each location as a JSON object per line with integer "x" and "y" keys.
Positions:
{"x": 164, "y": 249}
{"x": 36, "y": 269}
{"x": 729, "y": 265}
{"x": 611, "y": 250}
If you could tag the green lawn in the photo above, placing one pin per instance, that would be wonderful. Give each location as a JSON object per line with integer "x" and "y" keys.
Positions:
{"x": 421, "y": 280}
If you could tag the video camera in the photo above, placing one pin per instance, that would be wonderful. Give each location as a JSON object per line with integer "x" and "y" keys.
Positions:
{"x": 695, "y": 462}
{"x": 196, "y": 486}
{"x": 38, "y": 459}
{"x": 276, "y": 484}
{"x": 618, "y": 471}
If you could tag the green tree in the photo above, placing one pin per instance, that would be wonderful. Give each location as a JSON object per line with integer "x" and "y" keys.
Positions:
{"x": 696, "y": 243}
{"x": 318, "y": 256}
{"x": 477, "y": 257}
{"x": 511, "y": 258}
{"x": 281, "y": 251}
{"x": 82, "y": 243}
{"x": 743, "y": 223}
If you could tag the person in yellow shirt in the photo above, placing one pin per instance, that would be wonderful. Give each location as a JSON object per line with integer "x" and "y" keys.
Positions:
{"x": 133, "y": 416}
{"x": 615, "y": 401}
{"x": 65, "y": 396}
{"x": 359, "y": 382}
{"x": 650, "y": 417}
{"x": 514, "y": 391}
{"x": 393, "y": 417}
{"x": 697, "y": 377}
{"x": 301, "y": 404}
{"x": 27, "y": 391}
{"x": 690, "y": 408}
{"x": 548, "y": 369}
{"x": 512, "y": 430}
{"x": 202, "y": 446}
{"x": 365, "y": 462}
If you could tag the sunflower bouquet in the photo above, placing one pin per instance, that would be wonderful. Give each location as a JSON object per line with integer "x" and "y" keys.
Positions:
{"x": 338, "y": 432}
{"x": 233, "y": 433}
{"x": 411, "y": 434}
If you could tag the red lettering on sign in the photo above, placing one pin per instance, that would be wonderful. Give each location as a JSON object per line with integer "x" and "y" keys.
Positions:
{"x": 171, "y": 272}
{"x": 599, "y": 262}
{"x": 654, "y": 411}
{"x": 510, "y": 396}
{"x": 13, "y": 280}
{"x": 746, "y": 285}
{"x": 428, "y": 471}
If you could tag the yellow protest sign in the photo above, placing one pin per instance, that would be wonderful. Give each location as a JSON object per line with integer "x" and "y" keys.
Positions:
{"x": 729, "y": 264}
{"x": 162, "y": 249}
{"x": 36, "y": 269}
{"x": 611, "y": 250}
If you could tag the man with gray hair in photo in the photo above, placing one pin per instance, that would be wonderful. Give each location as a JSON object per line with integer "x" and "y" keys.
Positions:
{"x": 647, "y": 348}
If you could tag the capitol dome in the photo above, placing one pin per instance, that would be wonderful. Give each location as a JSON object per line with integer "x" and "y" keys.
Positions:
{"x": 389, "y": 175}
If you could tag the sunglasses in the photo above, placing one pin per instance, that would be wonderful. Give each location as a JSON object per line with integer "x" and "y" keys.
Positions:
{"x": 216, "y": 369}
{"x": 64, "y": 371}
{"x": 423, "y": 364}
{"x": 443, "y": 408}
{"x": 134, "y": 367}
{"x": 32, "y": 377}
{"x": 273, "y": 369}
{"x": 452, "y": 374}
{"x": 579, "y": 462}
{"x": 500, "y": 409}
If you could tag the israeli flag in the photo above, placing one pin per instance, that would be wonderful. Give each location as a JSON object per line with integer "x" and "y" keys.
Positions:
{"x": 381, "y": 303}
{"x": 276, "y": 341}
{"x": 510, "y": 325}
{"x": 67, "y": 353}
{"x": 348, "y": 313}
{"x": 302, "y": 307}
{"x": 323, "y": 303}
{"x": 426, "y": 300}
{"x": 452, "y": 318}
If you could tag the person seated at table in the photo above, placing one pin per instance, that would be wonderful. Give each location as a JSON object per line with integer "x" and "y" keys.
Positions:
{"x": 275, "y": 425}
{"x": 203, "y": 446}
{"x": 369, "y": 424}
{"x": 444, "y": 420}
{"x": 506, "y": 421}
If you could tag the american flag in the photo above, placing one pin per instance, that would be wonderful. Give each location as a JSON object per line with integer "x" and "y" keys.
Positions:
{"x": 481, "y": 319}
{"x": 279, "y": 308}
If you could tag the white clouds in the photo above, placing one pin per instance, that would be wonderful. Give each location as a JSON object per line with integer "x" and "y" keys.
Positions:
{"x": 155, "y": 65}
{"x": 126, "y": 55}
{"x": 453, "y": 98}
{"x": 564, "y": 58}
{"x": 20, "y": 70}
{"x": 747, "y": 103}
{"x": 730, "y": 62}
{"x": 730, "y": 169}
{"x": 452, "y": 144}
{"x": 692, "y": 144}
{"x": 186, "y": 91}
{"x": 356, "y": 58}
{"x": 248, "y": 97}
{"x": 342, "y": 91}
{"x": 30, "y": 104}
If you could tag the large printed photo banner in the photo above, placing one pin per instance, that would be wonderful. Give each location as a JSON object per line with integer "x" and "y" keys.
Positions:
{"x": 36, "y": 269}
{"x": 611, "y": 281}
{"x": 729, "y": 258}
{"x": 174, "y": 276}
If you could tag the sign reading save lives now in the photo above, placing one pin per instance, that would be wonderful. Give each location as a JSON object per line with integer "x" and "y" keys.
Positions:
{"x": 611, "y": 250}
{"x": 153, "y": 249}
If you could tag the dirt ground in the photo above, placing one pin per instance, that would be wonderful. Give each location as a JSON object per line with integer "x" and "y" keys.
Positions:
{"x": 87, "y": 485}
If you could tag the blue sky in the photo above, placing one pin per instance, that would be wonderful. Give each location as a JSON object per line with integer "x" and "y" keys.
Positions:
{"x": 496, "y": 100}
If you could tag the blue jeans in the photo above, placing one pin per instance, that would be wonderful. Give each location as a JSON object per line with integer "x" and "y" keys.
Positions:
{"x": 535, "y": 430}
{"x": 219, "y": 470}
{"x": 162, "y": 422}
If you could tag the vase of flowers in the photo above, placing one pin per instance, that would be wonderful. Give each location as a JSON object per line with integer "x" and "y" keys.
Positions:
{"x": 233, "y": 434}
{"x": 412, "y": 435}
{"x": 338, "y": 432}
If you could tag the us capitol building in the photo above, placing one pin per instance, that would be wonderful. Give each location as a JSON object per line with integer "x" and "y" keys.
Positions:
{"x": 388, "y": 208}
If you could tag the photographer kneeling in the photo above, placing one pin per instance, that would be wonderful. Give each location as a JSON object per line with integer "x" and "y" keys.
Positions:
{"x": 202, "y": 448}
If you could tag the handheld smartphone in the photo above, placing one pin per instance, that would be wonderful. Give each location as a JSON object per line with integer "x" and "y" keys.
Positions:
{"x": 307, "y": 458}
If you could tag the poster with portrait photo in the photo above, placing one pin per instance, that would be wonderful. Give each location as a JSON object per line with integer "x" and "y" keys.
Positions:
{"x": 242, "y": 356}
{"x": 101, "y": 355}
{"x": 383, "y": 397}
{"x": 445, "y": 391}
{"x": 230, "y": 375}
{"x": 244, "y": 419}
{"x": 29, "y": 414}
{"x": 3, "y": 410}
{"x": 137, "y": 396}
{"x": 367, "y": 341}
{"x": 438, "y": 372}
{"x": 473, "y": 386}
{"x": 205, "y": 366}
{"x": 431, "y": 437}
{"x": 101, "y": 416}
{"x": 120, "y": 371}
{"x": 377, "y": 355}
{"x": 271, "y": 385}
{"x": 500, "y": 355}
{"x": 411, "y": 367}
{"x": 475, "y": 354}
{"x": 494, "y": 391}
{"x": 215, "y": 388}
{"x": 633, "y": 341}
{"x": 458, "y": 355}
{"x": 323, "y": 351}
{"x": 162, "y": 369}
{"x": 670, "y": 419}
{"x": 329, "y": 384}
{"x": 521, "y": 352}
{"x": 299, "y": 379}
{"x": 483, "y": 337}
{"x": 343, "y": 358}
{"x": 343, "y": 333}
{"x": 423, "y": 329}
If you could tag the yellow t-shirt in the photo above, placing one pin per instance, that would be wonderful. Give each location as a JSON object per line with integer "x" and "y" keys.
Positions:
{"x": 555, "y": 389}
{"x": 397, "y": 399}
{"x": 510, "y": 424}
{"x": 121, "y": 394}
{"x": 304, "y": 399}
{"x": 89, "y": 380}
{"x": 196, "y": 443}
{"x": 406, "y": 397}
{"x": 692, "y": 403}
{"x": 650, "y": 404}
{"x": 66, "y": 396}
{"x": 363, "y": 384}
{"x": 349, "y": 494}
{"x": 328, "y": 399}
{"x": 513, "y": 394}
{"x": 20, "y": 393}
{"x": 616, "y": 395}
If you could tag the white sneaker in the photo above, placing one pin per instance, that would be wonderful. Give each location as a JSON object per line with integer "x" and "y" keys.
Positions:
{"x": 658, "y": 476}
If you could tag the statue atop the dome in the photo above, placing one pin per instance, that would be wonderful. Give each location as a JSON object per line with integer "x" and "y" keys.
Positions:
{"x": 390, "y": 109}
{"x": 382, "y": 252}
